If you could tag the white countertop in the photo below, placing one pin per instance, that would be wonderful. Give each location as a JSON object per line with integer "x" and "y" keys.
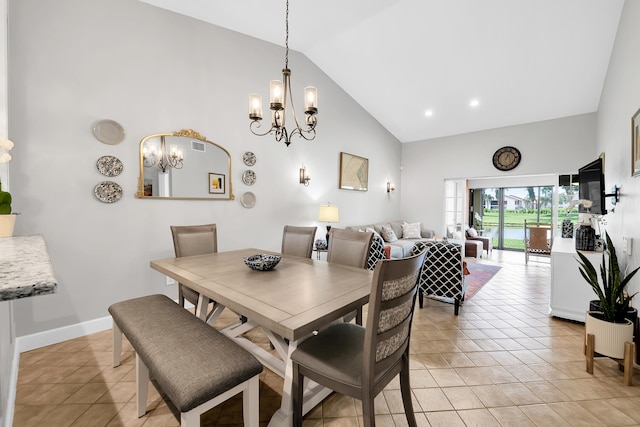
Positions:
{"x": 25, "y": 268}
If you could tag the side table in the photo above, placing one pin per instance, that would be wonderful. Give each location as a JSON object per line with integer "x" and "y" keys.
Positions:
{"x": 319, "y": 251}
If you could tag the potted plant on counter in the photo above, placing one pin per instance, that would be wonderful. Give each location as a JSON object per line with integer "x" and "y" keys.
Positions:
{"x": 609, "y": 325}
{"x": 7, "y": 219}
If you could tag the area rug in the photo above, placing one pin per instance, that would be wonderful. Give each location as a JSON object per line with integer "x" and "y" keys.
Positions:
{"x": 479, "y": 275}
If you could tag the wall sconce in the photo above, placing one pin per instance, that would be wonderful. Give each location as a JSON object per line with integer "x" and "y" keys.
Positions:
{"x": 390, "y": 187}
{"x": 304, "y": 176}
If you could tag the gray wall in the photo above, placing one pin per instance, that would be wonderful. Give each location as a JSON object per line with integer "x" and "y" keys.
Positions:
{"x": 72, "y": 62}
{"x": 548, "y": 147}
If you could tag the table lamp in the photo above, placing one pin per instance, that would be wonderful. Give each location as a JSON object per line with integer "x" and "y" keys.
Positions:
{"x": 328, "y": 213}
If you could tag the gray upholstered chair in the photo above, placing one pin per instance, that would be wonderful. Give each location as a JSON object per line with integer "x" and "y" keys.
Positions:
{"x": 359, "y": 362}
{"x": 298, "y": 241}
{"x": 191, "y": 240}
{"x": 350, "y": 248}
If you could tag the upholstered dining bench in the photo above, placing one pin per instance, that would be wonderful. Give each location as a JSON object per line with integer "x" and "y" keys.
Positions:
{"x": 194, "y": 364}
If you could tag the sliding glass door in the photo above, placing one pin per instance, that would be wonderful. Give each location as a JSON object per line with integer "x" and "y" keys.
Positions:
{"x": 501, "y": 212}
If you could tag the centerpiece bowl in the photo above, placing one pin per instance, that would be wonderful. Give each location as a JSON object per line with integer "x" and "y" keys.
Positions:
{"x": 262, "y": 262}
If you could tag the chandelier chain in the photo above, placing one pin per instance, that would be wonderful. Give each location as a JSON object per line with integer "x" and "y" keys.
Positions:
{"x": 286, "y": 40}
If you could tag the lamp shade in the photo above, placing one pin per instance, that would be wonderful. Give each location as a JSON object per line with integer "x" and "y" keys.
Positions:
{"x": 328, "y": 213}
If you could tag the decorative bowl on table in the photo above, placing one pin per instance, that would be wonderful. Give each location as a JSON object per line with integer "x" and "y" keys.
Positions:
{"x": 262, "y": 262}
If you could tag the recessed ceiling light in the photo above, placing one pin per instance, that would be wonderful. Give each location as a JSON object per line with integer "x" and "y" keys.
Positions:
{"x": 474, "y": 103}
{"x": 428, "y": 113}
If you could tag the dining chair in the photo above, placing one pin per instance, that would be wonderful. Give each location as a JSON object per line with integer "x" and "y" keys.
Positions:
{"x": 350, "y": 248}
{"x": 189, "y": 240}
{"x": 360, "y": 361}
{"x": 298, "y": 241}
{"x": 538, "y": 239}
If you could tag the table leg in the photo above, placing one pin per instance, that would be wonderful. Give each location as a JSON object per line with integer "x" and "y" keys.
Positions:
{"x": 313, "y": 394}
{"x": 201, "y": 307}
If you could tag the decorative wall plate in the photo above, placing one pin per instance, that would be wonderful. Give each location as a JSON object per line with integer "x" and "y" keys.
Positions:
{"x": 248, "y": 200}
{"x": 108, "y": 191}
{"x": 249, "y": 158}
{"x": 249, "y": 177}
{"x": 108, "y": 131}
{"x": 109, "y": 166}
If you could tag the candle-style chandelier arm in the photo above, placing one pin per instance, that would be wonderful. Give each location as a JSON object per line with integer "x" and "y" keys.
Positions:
{"x": 279, "y": 92}
{"x": 162, "y": 158}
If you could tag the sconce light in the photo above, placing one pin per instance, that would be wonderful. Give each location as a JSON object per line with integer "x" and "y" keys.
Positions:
{"x": 390, "y": 187}
{"x": 304, "y": 176}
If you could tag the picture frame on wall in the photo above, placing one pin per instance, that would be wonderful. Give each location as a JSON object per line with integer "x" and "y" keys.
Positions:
{"x": 216, "y": 183}
{"x": 354, "y": 172}
{"x": 635, "y": 144}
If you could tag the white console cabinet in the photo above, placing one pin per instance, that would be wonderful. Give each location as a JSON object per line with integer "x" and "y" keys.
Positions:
{"x": 570, "y": 293}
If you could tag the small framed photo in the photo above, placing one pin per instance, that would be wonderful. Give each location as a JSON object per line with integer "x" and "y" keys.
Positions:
{"x": 216, "y": 183}
{"x": 354, "y": 172}
{"x": 635, "y": 144}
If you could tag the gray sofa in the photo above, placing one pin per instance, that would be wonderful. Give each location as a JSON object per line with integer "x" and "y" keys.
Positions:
{"x": 400, "y": 248}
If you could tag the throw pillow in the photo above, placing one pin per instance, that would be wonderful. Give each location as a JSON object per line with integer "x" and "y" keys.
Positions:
{"x": 411, "y": 231}
{"x": 388, "y": 234}
{"x": 375, "y": 233}
{"x": 472, "y": 232}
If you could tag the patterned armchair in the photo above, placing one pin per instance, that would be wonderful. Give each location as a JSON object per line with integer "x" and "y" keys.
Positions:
{"x": 376, "y": 251}
{"x": 442, "y": 275}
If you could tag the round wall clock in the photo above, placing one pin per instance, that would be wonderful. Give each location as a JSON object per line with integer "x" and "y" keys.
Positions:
{"x": 506, "y": 158}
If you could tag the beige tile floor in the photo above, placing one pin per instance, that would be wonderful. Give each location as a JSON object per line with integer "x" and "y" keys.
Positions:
{"x": 501, "y": 362}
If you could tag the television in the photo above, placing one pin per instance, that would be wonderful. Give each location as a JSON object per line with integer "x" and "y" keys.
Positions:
{"x": 591, "y": 187}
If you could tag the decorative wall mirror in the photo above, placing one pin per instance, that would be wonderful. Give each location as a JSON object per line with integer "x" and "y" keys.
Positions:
{"x": 184, "y": 165}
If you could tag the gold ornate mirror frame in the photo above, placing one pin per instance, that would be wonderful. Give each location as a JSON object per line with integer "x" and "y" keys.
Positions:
{"x": 184, "y": 165}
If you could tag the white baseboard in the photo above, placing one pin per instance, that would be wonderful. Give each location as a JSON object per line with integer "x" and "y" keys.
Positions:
{"x": 54, "y": 336}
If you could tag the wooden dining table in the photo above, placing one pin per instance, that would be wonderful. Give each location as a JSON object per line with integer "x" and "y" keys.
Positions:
{"x": 291, "y": 302}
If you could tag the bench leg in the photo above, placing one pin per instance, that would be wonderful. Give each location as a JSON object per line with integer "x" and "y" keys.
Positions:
{"x": 250, "y": 404}
{"x": 142, "y": 386}
{"x": 117, "y": 344}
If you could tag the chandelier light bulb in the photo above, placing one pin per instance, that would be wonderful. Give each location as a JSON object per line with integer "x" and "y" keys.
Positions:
{"x": 279, "y": 91}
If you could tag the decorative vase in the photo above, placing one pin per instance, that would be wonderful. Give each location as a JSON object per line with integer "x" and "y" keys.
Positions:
{"x": 609, "y": 337}
{"x": 598, "y": 245}
{"x": 7, "y": 222}
{"x": 321, "y": 244}
{"x": 585, "y": 238}
{"x": 567, "y": 229}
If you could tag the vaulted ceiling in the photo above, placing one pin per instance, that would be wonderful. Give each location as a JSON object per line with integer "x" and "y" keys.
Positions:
{"x": 522, "y": 60}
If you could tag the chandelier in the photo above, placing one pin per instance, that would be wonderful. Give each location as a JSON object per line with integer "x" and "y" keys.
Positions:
{"x": 278, "y": 91}
{"x": 162, "y": 158}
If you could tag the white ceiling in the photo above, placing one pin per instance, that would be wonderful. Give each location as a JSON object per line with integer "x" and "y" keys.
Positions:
{"x": 524, "y": 60}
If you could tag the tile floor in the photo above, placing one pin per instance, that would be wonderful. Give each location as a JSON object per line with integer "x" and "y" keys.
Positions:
{"x": 501, "y": 362}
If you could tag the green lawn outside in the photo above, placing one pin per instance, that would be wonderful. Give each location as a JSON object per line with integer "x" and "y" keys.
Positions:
{"x": 514, "y": 220}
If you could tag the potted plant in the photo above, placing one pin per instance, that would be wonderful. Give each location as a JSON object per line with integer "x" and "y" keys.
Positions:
{"x": 610, "y": 326}
{"x": 7, "y": 219}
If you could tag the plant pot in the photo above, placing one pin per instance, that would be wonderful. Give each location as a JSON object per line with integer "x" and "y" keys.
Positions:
{"x": 631, "y": 313}
{"x": 7, "y": 222}
{"x": 609, "y": 337}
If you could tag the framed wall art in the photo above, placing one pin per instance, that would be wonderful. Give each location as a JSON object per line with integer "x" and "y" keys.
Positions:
{"x": 354, "y": 172}
{"x": 216, "y": 183}
{"x": 635, "y": 144}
